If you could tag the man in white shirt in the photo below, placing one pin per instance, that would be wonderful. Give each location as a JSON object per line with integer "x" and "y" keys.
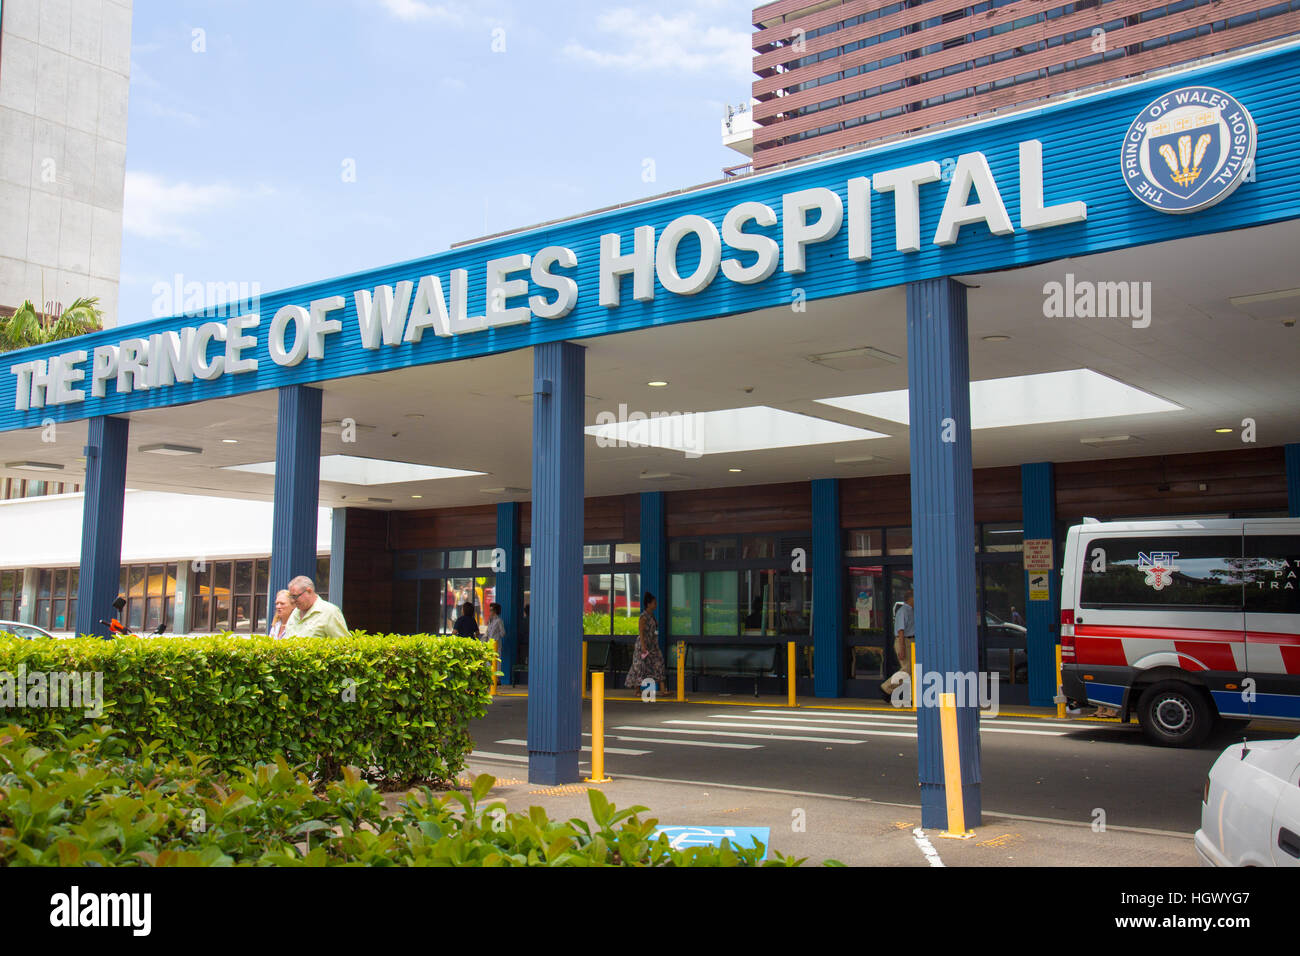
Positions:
{"x": 313, "y": 616}
{"x": 904, "y": 635}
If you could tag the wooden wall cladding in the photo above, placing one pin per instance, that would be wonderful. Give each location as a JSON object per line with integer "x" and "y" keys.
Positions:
{"x": 474, "y": 526}
{"x": 1244, "y": 478}
{"x": 754, "y": 510}
{"x": 368, "y": 571}
{"x": 612, "y": 518}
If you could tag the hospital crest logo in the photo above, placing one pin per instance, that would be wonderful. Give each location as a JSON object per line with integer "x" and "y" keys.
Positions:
{"x": 1159, "y": 568}
{"x": 1188, "y": 150}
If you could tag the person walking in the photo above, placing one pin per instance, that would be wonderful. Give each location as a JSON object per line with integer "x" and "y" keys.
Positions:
{"x": 496, "y": 627}
{"x": 313, "y": 616}
{"x": 283, "y": 611}
{"x": 904, "y": 635}
{"x": 647, "y": 658}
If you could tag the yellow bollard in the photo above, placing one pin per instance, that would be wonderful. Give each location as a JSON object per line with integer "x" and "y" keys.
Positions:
{"x": 916, "y": 690}
{"x": 1060, "y": 689}
{"x": 598, "y": 729}
{"x": 496, "y": 664}
{"x": 584, "y": 668}
{"x": 952, "y": 768}
{"x": 681, "y": 672}
{"x": 789, "y": 665}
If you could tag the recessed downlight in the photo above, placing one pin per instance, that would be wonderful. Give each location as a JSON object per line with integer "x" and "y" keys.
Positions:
{"x": 657, "y": 384}
{"x": 230, "y": 441}
{"x": 735, "y": 471}
{"x": 1223, "y": 431}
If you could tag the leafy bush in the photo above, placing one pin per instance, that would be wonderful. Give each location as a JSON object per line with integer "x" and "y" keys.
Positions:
{"x": 82, "y": 801}
{"x": 397, "y": 706}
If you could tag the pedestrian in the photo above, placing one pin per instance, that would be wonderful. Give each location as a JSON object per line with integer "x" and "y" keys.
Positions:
{"x": 496, "y": 627}
{"x": 280, "y": 619}
{"x": 647, "y": 658}
{"x": 313, "y": 616}
{"x": 904, "y": 635}
{"x": 466, "y": 625}
{"x": 1016, "y": 619}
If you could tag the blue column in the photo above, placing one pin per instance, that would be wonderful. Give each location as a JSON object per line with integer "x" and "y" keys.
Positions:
{"x": 827, "y": 589}
{"x": 654, "y": 560}
{"x": 1293, "y": 479}
{"x": 297, "y": 486}
{"x": 510, "y": 585}
{"x": 338, "y": 553}
{"x": 1038, "y": 502}
{"x": 943, "y": 533}
{"x": 555, "y": 618}
{"x": 101, "y": 523}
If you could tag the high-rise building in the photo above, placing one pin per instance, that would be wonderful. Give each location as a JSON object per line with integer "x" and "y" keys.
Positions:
{"x": 64, "y": 78}
{"x": 836, "y": 74}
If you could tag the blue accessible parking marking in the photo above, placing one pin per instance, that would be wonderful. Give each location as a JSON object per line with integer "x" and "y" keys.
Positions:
{"x": 683, "y": 838}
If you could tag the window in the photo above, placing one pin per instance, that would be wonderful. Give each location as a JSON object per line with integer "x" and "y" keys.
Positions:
{"x": 1175, "y": 571}
{"x": 226, "y": 596}
{"x": 738, "y": 586}
{"x": 1272, "y": 574}
{"x": 11, "y": 595}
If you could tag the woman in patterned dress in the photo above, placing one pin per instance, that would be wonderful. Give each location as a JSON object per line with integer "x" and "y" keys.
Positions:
{"x": 647, "y": 659}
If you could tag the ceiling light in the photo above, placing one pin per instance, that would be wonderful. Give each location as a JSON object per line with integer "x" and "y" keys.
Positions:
{"x": 1223, "y": 431}
{"x": 349, "y": 470}
{"x": 33, "y": 466}
{"x": 1074, "y": 395}
{"x": 163, "y": 448}
{"x": 417, "y": 496}
{"x": 1111, "y": 440}
{"x": 657, "y": 384}
{"x": 996, "y": 338}
{"x": 735, "y": 470}
{"x": 230, "y": 441}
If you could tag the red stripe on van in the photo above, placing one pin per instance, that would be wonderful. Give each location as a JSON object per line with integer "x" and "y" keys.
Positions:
{"x": 1104, "y": 651}
{"x": 1291, "y": 659}
{"x": 1214, "y": 655}
{"x": 1163, "y": 633}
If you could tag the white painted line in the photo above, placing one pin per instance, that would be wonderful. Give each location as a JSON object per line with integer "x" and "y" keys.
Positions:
{"x": 608, "y": 750}
{"x": 909, "y": 717}
{"x": 911, "y": 734}
{"x": 922, "y": 841}
{"x": 723, "y": 733}
{"x": 688, "y": 743}
{"x": 509, "y": 758}
{"x": 845, "y": 727}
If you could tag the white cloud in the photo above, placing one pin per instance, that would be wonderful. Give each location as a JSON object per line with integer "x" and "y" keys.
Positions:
{"x": 643, "y": 41}
{"x": 412, "y": 11}
{"x": 157, "y": 209}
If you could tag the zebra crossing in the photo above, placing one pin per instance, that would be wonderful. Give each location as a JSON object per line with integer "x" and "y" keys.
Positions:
{"x": 750, "y": 729}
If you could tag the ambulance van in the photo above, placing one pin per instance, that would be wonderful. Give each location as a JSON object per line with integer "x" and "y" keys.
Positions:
{"x": 1183, "y": 623}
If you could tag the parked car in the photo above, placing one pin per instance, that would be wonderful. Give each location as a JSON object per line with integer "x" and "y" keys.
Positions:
{"x": 1001, "y": 638}
{"x": 1250, "y": 808}
{"x": 28, "y": 631}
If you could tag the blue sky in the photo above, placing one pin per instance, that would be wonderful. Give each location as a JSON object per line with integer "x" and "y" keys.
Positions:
{"x": 283, "y": 141}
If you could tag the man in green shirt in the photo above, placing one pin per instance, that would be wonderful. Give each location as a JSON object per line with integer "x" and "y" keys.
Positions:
{"x": 313, "y": 616}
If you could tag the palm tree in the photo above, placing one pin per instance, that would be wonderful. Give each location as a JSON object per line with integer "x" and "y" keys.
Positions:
{"x": 27, "y": 326}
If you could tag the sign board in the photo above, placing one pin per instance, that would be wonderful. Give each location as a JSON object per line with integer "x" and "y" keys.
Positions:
{"x": 1040, "y": 588}
{"x": 1038, "y": 554}
{"x": 683, "y": 838}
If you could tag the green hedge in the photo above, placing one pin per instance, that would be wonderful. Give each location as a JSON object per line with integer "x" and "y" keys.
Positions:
{"x": 398, "y": 706}
{"x": 83, "y": 802}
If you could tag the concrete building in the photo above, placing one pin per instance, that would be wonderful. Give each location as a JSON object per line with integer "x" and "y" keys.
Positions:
{"x": 836, "y": 74}
{"x": 64, "y": 75}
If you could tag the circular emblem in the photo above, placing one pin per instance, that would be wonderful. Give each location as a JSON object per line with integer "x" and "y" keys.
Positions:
{"x": 1188, "y": 150}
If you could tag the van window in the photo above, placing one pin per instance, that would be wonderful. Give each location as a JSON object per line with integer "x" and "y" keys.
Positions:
{"x": 1273, "y": 574}
{"x": 1163, "y": 572}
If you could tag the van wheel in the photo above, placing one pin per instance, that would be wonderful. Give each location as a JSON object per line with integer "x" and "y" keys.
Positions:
{"x": 1173, "y": 714}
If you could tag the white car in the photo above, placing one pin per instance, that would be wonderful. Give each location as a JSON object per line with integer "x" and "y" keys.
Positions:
{"x": 27, "y": 631}
{"x": 1250, "y": 810}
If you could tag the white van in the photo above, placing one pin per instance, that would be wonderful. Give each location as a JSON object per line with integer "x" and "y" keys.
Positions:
{"x": 1183, "y": 622}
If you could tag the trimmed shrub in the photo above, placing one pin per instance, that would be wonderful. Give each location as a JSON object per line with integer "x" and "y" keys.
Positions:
{"x": 82, "y": 802}
{"x": 399, "y": 707}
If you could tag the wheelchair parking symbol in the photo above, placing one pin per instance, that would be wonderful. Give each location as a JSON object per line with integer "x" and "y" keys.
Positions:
{"x": 683, "y": 838}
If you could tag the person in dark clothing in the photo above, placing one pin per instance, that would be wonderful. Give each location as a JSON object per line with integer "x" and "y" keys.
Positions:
{"x": 466, "y": 625}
